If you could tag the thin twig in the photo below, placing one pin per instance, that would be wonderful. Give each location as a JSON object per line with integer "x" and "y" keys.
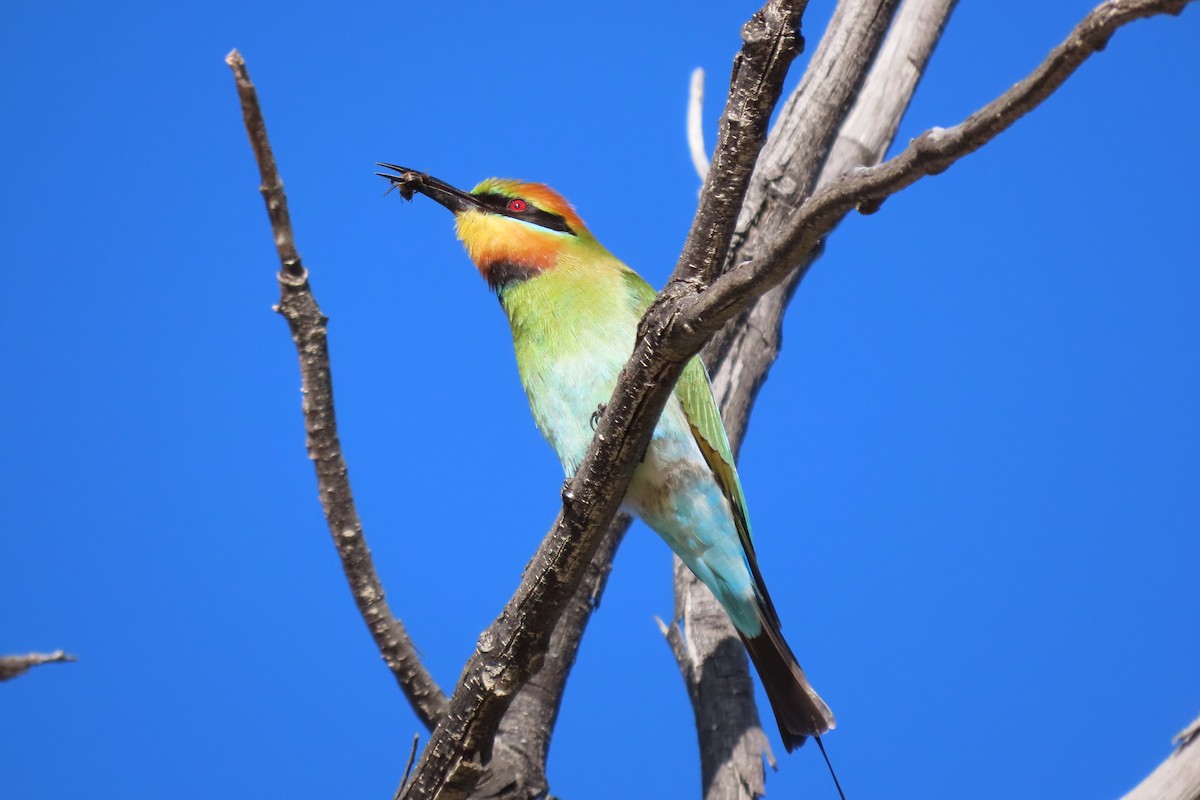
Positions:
{"x": 674, "y": 636}
{"x": 695, "y": 124}
{"x": 12, "y": 666}
{"x": 412, "y": 756}
{"x": 307, "y": 325}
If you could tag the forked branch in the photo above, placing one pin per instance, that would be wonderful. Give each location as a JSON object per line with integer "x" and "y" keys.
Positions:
{"x": 929, "y": 154}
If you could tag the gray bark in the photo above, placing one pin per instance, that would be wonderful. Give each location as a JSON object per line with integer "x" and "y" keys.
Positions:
{"x": 13, "y": 666}
{"x": 307, "y": 325}
{"x": 1177, "y": 778}
{"x": 517, "y": 770}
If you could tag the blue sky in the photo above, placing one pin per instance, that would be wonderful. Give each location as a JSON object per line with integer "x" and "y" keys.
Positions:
{"x": 972, "y": 473}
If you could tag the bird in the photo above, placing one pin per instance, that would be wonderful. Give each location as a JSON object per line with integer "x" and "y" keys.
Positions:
{"x": 573, "y": 309}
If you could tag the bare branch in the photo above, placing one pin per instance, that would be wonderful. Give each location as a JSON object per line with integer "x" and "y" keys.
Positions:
{"x": 271, "y": 187}
{"x": 307, "y": 325}
{"x": 12, "y": 666}
{"x": 1177, "y": 778}
{"x": 881, "y": 102}
{"x": 740, "y": 356}
{"x": 412, "y": 756}
{"x": 513, "y": 646}
{"x": 809, "y": 120}
{"x": 695, "y": 124}
{"x": 771, "y": 42}
{"x": 1186, "y": 736}
{"x": 518, "y": 766}
{"x": 929, "y": 154}
{"x": 674, "y": 637}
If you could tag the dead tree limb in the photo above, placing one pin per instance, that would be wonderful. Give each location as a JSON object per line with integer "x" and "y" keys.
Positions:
{"x": 1177, "y": 778}
{"x": 517, "y": 770}
{"x": 307, "y": 324}
{"x": 930, "y": 153}
{"x": 12, "y": 666}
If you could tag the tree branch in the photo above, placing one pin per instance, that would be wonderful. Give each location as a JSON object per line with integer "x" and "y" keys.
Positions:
{"x": 752, "y": 341}
{"x": 307, "y": 324}
{"x": 929, "y": 154}
{"x": 1177, "y": 778}
{"x": 695, "y": 124}
{"x": 517, "y": 770}
{"x": 13, "y": 666}
{"x": 512, "y": 647}
{"x": 772, "y": 41}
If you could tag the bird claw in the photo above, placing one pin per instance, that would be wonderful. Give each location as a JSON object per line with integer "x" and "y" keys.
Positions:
{"x": 596, "y": 415}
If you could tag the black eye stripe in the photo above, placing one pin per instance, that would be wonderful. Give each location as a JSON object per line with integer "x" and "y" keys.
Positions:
{"x": 498, "y": 204}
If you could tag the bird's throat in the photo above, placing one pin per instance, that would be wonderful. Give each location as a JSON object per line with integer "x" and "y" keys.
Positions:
{"x": 505, "y": 250}
{"x": 504, "y": 273}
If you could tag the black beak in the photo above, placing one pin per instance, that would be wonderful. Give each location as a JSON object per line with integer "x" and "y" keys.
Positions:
{"x": 409, "y": 181}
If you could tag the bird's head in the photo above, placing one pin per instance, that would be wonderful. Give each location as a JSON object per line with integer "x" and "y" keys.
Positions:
{"x": 511, "y": 229}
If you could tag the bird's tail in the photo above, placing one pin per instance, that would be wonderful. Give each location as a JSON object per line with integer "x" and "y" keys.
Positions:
{"x": 798, "y": 709}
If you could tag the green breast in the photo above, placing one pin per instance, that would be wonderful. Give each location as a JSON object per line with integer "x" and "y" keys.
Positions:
{"x": 573, "y": 328}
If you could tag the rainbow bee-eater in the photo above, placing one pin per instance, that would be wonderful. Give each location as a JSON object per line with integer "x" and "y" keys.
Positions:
{"x": 574, "y": 309}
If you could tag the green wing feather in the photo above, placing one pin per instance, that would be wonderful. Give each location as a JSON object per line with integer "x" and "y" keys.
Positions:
{"x": 700, "y": 407}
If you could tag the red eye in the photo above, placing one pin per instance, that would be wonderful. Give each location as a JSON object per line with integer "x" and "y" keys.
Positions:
{"x": 517, "y": 204}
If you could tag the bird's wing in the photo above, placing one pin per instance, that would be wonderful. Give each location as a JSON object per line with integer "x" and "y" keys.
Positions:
{"x": 700, "y": 407}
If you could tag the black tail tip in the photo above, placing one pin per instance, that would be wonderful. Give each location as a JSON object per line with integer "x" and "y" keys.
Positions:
{"x": 791, "y": 741}
{"x": 799, "y": 710}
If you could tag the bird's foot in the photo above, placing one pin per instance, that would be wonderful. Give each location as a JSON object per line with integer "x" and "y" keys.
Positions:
{"x": 596, "y": 416}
